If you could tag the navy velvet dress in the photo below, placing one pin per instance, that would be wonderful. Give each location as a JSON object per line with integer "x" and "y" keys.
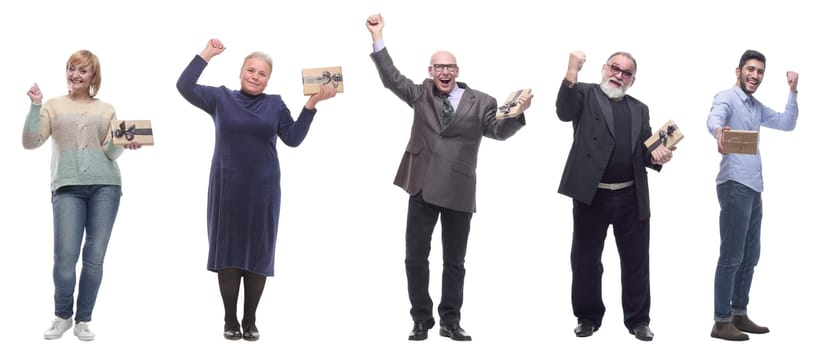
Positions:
{"x": 243, "y": 192}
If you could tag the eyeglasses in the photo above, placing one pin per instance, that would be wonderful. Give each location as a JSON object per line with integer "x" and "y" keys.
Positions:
{"x": 452, "y": 67}
{"x": 618, "y": 70}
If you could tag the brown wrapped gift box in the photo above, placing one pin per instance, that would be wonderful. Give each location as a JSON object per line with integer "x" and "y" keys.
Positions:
{"x": 314, "y": 78}
{"x": 669, "y": 135}
{"x": 511, "y": 108}
{"x": 740, "y": 141}
{"x": 127, "y": 131}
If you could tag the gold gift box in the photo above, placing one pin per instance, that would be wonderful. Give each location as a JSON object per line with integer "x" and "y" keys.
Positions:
{"x": 127, "y": 131}
{"x": 314, "y": 78}
{"x": 669, "y": 135}
{"x": 740, "y": 141}
{"x": 511, "y": 108}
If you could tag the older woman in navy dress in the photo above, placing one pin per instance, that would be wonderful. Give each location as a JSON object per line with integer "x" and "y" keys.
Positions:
{"x": 243, "y": 193}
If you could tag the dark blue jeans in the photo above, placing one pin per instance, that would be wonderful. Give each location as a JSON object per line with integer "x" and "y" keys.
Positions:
{"x": 81, "y": 209}
{"x": 741, "y": 210}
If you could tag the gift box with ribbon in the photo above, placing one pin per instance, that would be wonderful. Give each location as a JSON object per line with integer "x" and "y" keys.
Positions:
{"x": 668, "y": 135}
{"x": 314, "y": 78}
{"x": 127, "y": 131}
{"x": 740, "y": 141}
{"x": 511, "y": 108}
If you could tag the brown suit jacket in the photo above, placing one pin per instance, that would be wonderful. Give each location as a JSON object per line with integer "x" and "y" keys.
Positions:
{"x": 586, "y": 106}
{"x": 440, "y": 162}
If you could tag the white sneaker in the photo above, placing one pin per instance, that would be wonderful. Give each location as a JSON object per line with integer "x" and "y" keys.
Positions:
{"x": 58, "y": 327}
{"x": 81, "y": 331}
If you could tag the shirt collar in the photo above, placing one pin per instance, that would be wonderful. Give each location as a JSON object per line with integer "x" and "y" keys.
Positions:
{"x": 742, "y": 95}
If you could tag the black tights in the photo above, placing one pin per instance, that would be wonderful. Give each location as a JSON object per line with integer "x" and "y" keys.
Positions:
{"x": 229, "y": 287}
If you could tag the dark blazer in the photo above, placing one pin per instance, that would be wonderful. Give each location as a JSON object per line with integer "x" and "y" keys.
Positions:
{"x": 442, "y": 161}
{"x": 588, "y": 108}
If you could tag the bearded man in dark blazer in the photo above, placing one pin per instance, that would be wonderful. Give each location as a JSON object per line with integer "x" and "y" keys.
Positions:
{"x": 605, "y": 175}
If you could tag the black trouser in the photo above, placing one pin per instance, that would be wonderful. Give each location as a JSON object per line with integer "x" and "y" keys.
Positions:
{"x": 455, "y": 228}
{"x": 590, "y": 223}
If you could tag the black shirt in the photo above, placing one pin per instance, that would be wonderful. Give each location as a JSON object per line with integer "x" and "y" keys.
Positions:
{"x": 619, "y": 168}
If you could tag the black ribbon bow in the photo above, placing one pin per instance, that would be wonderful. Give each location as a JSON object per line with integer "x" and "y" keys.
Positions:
{"x": 663, "y": 137}
{"x": 130, "y": 131}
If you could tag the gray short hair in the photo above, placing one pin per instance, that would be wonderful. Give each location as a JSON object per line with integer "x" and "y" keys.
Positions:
{"x": 259, "y": 54}
{"x": 627, "y": 55}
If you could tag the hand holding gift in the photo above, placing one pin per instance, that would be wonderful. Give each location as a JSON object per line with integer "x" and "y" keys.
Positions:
{"x": 517, "y": 102}
{"x": 132, "y": 134}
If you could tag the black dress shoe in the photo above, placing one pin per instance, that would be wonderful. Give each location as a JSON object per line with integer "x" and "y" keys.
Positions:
{"x": 585, "y": 328}
{"x": 250, "y": 333}
{"x": 232, "y": 332}
{"x": 642, "y": 332}
{"x": 454, "y": 332}
{"x": 419, "y": 331}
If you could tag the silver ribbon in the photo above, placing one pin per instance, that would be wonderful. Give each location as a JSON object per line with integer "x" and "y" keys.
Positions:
{"x": 324, "y": 79}
{"x": 507, "y": 106}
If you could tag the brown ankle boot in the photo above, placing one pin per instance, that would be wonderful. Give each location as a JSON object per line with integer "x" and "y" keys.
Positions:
{"x": 744, "y": 324}
{"x": 727, "y": 331}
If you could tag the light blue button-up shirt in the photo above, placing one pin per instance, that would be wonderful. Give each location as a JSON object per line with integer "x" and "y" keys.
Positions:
{"x": 740, "y": 111}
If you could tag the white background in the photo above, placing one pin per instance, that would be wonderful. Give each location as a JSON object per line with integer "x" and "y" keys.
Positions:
{"x": 340, "y": 275}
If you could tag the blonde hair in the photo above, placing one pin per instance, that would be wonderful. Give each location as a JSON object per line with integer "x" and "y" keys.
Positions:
{"x": 90, "y": 60}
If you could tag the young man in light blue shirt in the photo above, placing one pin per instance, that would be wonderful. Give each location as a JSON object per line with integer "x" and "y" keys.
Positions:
{"x": 739, "y": 185}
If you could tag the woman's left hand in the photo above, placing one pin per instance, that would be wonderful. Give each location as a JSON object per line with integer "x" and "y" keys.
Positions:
{"x": 325, "y": 92}
{"x": 132, "y": 145}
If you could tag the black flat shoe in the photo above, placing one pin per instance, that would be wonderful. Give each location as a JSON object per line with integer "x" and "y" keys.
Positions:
{"x": 232, "y": 332}
{"x": 250, "y": 333}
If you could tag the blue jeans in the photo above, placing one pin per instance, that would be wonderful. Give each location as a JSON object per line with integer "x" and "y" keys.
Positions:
{"x": 77, "y": 209}
{"x": 741, "y": 210}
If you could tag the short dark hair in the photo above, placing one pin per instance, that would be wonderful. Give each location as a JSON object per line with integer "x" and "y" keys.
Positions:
{"x": 751, "y": 55}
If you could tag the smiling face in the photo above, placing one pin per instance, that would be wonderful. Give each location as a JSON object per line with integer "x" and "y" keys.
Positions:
{"x": 444, "y": 71}
{"x": 82, "y": 74}
{"x": 750, "y": 75}
{"x": 255, "y": 75}
{"x": 617, "y": 75}
{"x": 78, "y": 78}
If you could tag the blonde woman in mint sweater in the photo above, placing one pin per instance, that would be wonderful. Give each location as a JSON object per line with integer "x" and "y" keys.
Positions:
{"x": 85, "y": 186}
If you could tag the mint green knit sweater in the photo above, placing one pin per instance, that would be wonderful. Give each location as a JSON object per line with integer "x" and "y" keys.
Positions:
{"x": 82, "y": 148}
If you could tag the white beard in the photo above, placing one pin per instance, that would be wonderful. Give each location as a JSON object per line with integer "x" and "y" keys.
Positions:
{"x": 612, "y": 92}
